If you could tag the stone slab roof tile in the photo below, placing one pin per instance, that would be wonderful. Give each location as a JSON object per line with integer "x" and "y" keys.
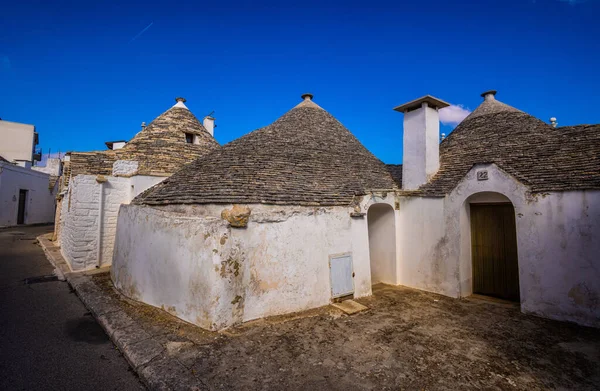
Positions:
{"x": 306, "y": 157}
{"x": 538, "y": 155}
{"x": 160, "y": 148}
{"x": 395, "y": 171}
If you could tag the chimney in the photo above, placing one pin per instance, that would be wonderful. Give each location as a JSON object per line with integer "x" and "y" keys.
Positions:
{"x": 209, "y": 124}
{"x": 421, "y": 158}
{"x": 143, "y": 125}
{"x": 553, "y": 122}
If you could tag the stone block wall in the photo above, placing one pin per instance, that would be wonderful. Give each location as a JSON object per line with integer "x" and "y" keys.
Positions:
{"x": 81, "y": 216}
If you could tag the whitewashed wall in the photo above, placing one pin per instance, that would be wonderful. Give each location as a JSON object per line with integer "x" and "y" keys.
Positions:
{"x": 557, "y": 239}
{"x": 40, "y": 205}
{"x": 188, "y": 261}
{"x": 382, "y": 243}
{"x": 52, "y": 167}
{"x": 81, "y": 215}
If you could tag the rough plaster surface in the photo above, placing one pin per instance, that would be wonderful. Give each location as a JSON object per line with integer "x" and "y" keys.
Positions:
{"x": 382, "y": 243}
{"x": 125, "y": 167}
{"x": 559, "y": 267}
{"x": 189, "y": 261}
{"x": 52, "y": 167}
{"x": 81, "y": 214}
{"x": 39, "y": 206}
{"x": 421, "y": 158}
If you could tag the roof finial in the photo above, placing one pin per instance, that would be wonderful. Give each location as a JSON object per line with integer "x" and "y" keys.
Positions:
{"x": 553, "y": 122}
{"x": 307, "y": 96}
{"x": 489, "y": 95}
{"x": 180, "y": 103}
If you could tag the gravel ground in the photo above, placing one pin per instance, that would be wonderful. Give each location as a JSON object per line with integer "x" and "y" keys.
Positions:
{"x": 408, "y": 339}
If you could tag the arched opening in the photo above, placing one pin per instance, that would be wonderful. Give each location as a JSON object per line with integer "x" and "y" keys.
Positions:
{"x": 495, "y": 267}
{"x": 382, "y": 243}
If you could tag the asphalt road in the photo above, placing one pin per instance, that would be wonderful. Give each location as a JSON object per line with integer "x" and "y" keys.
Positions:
{"x": 48, "y": 340}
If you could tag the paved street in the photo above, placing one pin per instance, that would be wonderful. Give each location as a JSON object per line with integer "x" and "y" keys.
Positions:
{"x": 48, "y": 340}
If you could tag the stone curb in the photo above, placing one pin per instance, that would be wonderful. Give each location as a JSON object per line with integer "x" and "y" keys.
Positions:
{"x": 145, "y": 355}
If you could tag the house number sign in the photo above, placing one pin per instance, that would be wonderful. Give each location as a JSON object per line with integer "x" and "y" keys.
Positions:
{"x": 482, "y": 175}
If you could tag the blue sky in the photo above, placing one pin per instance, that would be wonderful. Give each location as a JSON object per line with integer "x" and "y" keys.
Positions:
{"x": 87, "y": 72}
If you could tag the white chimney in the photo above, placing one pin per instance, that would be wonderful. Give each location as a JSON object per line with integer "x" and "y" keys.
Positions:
{"x": 209, "y": 124}
{"x": 421, "y": 158}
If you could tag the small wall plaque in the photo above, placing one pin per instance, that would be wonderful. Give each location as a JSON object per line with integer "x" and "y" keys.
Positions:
{"x": 482, "y": 175}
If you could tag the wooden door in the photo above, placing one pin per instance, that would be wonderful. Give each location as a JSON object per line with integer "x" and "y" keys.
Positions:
{"x": 21, "y": 210}
{"x": 494, "y": 251}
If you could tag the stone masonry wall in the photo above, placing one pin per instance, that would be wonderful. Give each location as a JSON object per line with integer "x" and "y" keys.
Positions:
{"x": 80, "y": 217}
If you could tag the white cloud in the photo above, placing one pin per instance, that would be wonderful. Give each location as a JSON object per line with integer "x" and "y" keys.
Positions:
{"x": 453, "y": 114}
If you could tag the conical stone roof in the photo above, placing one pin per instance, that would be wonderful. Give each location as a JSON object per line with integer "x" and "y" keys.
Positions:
{"x": 538, "y": 155}
{"x": 306, "y": 157}
{"x": 160, "y": 148}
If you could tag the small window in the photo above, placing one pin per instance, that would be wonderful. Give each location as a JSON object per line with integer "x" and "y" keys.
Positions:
{"x": 189, "y": 138}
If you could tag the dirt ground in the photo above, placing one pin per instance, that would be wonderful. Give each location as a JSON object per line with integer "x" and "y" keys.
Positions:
{"x": 407, "y": 340}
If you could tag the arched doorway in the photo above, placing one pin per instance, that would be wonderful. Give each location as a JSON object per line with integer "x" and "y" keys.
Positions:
{"x": 494, "y": 246}
{"x": 382, "y": 243}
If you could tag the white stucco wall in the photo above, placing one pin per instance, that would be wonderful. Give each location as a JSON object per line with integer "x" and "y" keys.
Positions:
{"x": 188, "y": 261}
{"x": 40, "y": 204}
{"x": 85, "y": 224}
{"x": 421, "y": 158}
{"x": 560, "y": 266}
{"x": 422, "y": 261}
{"x": 557, "y": 239}
{"x": 52, "y": 167}
{"x": 381, "y": 221}
{"x": 140, "y": 183}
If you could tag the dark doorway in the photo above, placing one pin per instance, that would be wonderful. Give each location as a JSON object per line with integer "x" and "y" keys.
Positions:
{"x": 494, "y": 251}
{"x": 22, "y": 203}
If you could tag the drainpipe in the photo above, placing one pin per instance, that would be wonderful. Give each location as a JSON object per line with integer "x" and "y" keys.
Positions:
{"x": 100, "y": 179}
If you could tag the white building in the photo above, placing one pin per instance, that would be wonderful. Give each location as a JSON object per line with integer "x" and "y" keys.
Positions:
{"x": 296, "y": 214}
{"x": 95, "y": 184}
{"x": 26, "y": 196}
{"x": 19, "y": 143}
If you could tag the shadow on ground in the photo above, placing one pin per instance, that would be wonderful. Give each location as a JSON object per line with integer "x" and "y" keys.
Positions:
{"x": 408, "y": 339}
